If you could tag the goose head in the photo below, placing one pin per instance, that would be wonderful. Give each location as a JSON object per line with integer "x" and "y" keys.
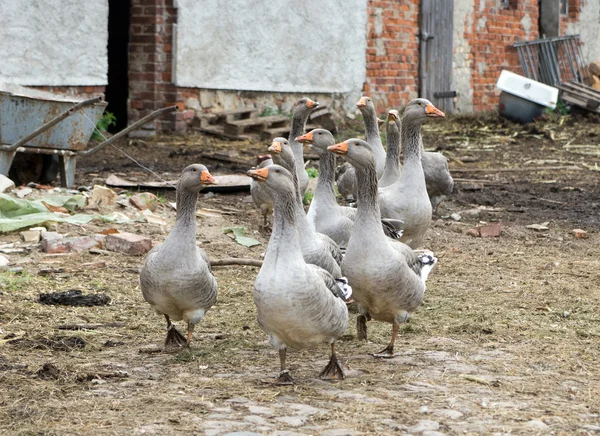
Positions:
{"x": 195, "y": 177}
{"x": 274, "y": 177}
{"x": 420, "y": 109}
{"x": 282, "y": 152}
{"x": 355, "y": 150}
{"x": 319, "y": 139}
{"x": 304, "y": 106}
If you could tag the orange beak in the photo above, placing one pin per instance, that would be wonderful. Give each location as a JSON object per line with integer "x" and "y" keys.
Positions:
{"x": 310, "y": 103}
{"x": 362, "y": 102}
{"x": 207, "y": 179}
{"x": 341, "y": 148}
{"x": 434, "y": 112}
{"x": 260, "y": 174}
{"x": 306, "y": 138}
{"x": 391, "y": 117}
{"x": 275, "y": 147}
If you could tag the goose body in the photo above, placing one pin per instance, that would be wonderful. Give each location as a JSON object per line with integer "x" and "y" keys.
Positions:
{"x": 438, "y": 180}
{"x": 387, "y": 276}
{"x": 298, "y": 305}
{"x": 176, "y": 278}
{"x": 317, "y": 248}
{"x": 407, "y": 199}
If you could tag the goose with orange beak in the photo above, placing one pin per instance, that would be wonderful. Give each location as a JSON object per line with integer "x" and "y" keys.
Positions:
{"x": 407, "y": 200}
{"x": 387, "y": 276}
{"x": 317, "y": 248}
{"x": 298, "y": 305}
{"x": 176, "y": 278}
{"x": 300, "y": 113}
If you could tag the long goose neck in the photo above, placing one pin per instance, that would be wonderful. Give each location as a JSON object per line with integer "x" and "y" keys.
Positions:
{"x": 392, "y": 156}
{"x": 298, "y": 125}
{"x": 411, "y": 142}
{"x": 372, "y": 129}
{"x": 185, "y": 221}
{"x": 368, "y": 213}
{"x": 325, "y": 182}
{"x": 284, "y": 241}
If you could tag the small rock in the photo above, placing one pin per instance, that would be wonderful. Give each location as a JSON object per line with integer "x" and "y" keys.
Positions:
{"x": 580, "y": 234}
{"x": 32, "y": 236}
{"x": 23, "y": 192}
{"x": 472, "y": 213}
{"x": 128, "y": 243}
{"x": 66, "y": 245}
{"x": 209, "y": 195}
{"x": 455, "y": 217}
{"x": 260, "y": 410}
{"x": 432, "y": 433}
{"x": 5, "y": 183}
{"x": 474, "y": 232}
{"x": 145, "y": 200}
{"x": 424, "y": 425}
{"x": 3, "y": 261}
{"x": 103, "y": 196}
{"x": 537, "y": 424}
{"x": 538, "y": 227}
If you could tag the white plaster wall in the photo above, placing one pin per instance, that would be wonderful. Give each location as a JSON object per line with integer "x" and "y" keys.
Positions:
{"x": 588, "y": 28}
{"x": 461, "y": 76}
{"x": 281, "y": 46}
{"x": 54, "y": 42}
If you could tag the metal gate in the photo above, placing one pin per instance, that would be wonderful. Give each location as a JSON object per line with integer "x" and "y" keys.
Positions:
{"x": 435, "y": 73}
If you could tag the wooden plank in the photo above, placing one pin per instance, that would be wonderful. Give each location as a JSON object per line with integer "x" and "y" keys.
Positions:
{"x": 219, "y": 130}
{"x": 579, "y": 88}
{"x": 255, "y": 125}
{"x": 229, "y": 116}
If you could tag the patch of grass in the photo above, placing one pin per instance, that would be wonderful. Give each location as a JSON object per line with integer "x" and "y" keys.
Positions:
{"x": 308, "y": 196}
{"x": 312, "y": 173}
{"x": 13, "y": 282}
{"x": 107, "y": 120}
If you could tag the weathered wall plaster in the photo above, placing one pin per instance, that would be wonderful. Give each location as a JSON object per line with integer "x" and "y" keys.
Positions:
{"x": 463, "y": 19}
{"x": 54, "y": 42}
{"x": 588, "y": 27}
{"x": 283, "y": 46}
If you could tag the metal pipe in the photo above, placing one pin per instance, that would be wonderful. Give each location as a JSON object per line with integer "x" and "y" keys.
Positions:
{"x": 50, "y": 124}
{"x": 134, "y": 126}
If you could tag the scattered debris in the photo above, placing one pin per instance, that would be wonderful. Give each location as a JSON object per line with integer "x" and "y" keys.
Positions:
{"x": 153, "y": 219}
{"x": 580, "y": 234}
{"x": 471, "y": 186}
{"x": 480, "y": 380}
{"x": 6, "y": 184}
{"x": 103, "y": 196}
{"x": 492, "y": 230}
{"x": 111, "y": 343}
{"x": 144, "y": 201}
{"x": 74, "y": 244}
{"x": 236, "y": 261}
{"x": 23, "y": 192}
{"x": 128, "y": 243}
{"x": 32, "y": 236}
{"x": 455, "y": 217}
{"x": 238, "y": 233}
{"x": 74, "y": 297}
{"x": 539, "y": 227}
{"x": 48, "y": 370}
{"x": 98, "y": 377}
{"x": 3, "y": 261}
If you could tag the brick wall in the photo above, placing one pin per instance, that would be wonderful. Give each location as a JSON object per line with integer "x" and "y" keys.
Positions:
{"x": 150, "y": 59}
{"x": 392, "y": 52}
{"x": 492, "y": 31}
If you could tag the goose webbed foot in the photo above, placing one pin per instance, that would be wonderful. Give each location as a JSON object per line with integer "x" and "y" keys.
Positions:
{"x": 284, "y": 379}
{"x": 361, "y": 327}
{"x": 174, "y": 338}
{"x": 386, "y": 353}
{"x": 334, "y": 369}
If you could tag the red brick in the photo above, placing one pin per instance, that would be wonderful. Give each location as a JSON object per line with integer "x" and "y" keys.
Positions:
{"x": 128, "y": 243}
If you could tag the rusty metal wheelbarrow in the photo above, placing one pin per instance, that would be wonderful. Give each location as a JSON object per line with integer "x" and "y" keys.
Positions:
{"x": 65, "y": 127}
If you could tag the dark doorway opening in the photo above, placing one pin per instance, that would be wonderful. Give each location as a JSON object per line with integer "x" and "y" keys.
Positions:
{"x": 117, "y": 90}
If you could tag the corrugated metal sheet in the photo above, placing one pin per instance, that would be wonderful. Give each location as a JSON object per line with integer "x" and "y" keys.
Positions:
{"x": 436, "y": 53}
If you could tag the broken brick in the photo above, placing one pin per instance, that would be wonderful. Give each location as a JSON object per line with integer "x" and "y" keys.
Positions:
{"x": 128, "y": 243}
{"x": 144, "y": 201}
{"x": 74, "y": 244}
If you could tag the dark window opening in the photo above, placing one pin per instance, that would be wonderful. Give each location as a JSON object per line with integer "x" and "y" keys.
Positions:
{"x": 564, "y": 7}
{"x": 117, "y": 90}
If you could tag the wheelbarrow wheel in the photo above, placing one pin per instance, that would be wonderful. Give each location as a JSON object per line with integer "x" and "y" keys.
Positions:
{"x": 36, "y": 168}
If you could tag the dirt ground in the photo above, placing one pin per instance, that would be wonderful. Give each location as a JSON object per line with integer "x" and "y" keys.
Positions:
{"x": 507, "y": 340}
